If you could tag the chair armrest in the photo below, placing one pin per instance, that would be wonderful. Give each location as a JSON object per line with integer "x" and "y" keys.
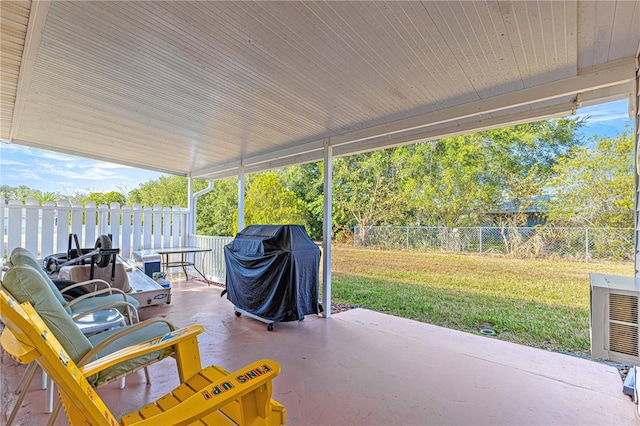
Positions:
{"x": 109, "y": 290}
{"x": 174, "y": 338}
{"x": 87, "y": 358}
{"x": 255, "y": 377}
{"x": 129, "y": 306}
{"x": 94, "y": 281}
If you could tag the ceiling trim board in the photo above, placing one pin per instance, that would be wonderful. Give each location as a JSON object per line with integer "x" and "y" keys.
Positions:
{"x": 35, "y": 28}
{"x": 618, "y": 73}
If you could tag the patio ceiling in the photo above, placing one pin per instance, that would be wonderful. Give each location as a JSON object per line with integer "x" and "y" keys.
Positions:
{"x": 199, "y": 88}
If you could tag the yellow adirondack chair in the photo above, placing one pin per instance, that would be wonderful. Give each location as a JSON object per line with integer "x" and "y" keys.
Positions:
{"x": 208, "y": 396}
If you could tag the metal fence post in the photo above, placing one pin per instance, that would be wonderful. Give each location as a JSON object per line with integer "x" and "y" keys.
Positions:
{"x": 586, "y": 244}
{"x": 480, "y": 229}
{"x": 355, "y": 232}
{"x": 407, "y": 238}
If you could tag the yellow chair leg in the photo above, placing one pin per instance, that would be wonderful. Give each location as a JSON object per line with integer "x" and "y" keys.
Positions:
{"x": 187, "y": 356}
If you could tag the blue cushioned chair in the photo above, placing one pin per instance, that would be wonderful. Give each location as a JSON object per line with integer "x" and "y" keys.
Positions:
{"x": 108, "y": 296}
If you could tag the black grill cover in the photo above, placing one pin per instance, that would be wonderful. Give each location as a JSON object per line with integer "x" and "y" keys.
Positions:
{"x": 272, "y": 272}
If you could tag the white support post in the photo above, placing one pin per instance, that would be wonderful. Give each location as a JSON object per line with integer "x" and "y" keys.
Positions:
{"x": 635, "y": 110}
{"x": 240, "y": 198}
{"x": 326, "y": 228}
{"x": 191, "y": 215}
{"x": 636, "y": 187}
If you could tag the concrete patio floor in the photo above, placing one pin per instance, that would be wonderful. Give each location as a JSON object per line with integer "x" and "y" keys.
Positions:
{"x": 363, "y": 368}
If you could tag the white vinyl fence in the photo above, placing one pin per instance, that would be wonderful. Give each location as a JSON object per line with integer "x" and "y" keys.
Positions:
{"x": 212, "y": 264}
{"x": 45, "y": 229}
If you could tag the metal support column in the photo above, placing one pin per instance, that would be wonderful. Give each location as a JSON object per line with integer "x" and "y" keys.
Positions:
{"x": 191, "y": 215}
{"x": 326, "y": 228}
{"x": 634, "y": 108}
{"x": 240, "y": 198}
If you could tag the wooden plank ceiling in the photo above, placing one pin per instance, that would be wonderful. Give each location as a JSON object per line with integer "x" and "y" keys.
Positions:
{"x": 198, "y": 88}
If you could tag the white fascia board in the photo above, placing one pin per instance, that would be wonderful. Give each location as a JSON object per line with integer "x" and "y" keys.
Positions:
{"x": 309, "y": 157}
{"x": 266, "y": 158}
{"x": 219, "y": 175}
{"x": 230, "y": 167}
{"x": 616, "y": 73}
{"x": 284, "y": 162}
{"x": 407, "y": 138}
{"x": 608, "y": 94}
{"x": 35, "y": 28}
{"x": 294, "y": 151}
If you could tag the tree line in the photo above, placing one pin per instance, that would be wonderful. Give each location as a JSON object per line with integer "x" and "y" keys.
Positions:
{"x": 466, "y": 180}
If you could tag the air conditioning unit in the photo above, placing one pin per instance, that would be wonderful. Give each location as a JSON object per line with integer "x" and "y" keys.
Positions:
{"x": 615, "y": 324}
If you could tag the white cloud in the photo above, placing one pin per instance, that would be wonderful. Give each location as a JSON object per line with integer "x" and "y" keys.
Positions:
{"x": 612, "y": 113}
{"x": 11, "y": 148}
{"x": 6, "y": 162}
{"x": 48, "y": 155}
{"x": 71, "y": 172}
{"x": 30, "y": 174}
{"x": 116, "y": 166}
{"x": 603, "y": 117}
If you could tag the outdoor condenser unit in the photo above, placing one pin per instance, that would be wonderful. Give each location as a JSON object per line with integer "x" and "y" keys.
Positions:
{"x": 615, "y": 324}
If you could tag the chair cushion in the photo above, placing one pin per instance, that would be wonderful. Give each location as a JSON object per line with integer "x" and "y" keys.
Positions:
{"x": 26, "y": 284}
{"x": 22, "y": 256}
{"x": 138, "y": 336}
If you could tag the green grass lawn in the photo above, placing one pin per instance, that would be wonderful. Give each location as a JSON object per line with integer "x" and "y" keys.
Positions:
{"x": 540, "y": 303}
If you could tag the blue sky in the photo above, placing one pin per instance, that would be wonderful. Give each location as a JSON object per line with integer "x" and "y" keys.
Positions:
{"x": 65, "y": 174}
{"x": 68, "y": 175}
{"x": 608, "y": 119}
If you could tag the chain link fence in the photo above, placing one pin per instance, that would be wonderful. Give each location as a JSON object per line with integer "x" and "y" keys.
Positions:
{"x": 537, "y": 242}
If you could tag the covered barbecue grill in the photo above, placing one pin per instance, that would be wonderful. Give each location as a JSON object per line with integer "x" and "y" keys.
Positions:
{"x": 272, "y": 273}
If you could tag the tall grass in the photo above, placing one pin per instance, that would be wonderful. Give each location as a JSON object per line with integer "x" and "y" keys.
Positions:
{"x": 540, "y": 303}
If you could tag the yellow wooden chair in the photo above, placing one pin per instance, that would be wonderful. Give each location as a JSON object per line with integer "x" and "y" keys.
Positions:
{"x": 26, "y": 281}
{"x": 206, "y": 396}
